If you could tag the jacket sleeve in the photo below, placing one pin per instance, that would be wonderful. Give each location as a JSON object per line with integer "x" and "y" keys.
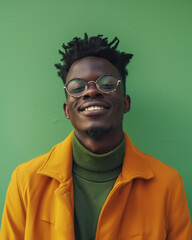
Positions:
{"x": 179, "y": 220}
{"x": 13, "y": 220}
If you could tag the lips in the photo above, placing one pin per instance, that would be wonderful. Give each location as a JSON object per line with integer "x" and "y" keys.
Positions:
{"x": 93, "y": 106}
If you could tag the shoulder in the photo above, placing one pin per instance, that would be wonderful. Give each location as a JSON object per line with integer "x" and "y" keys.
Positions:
{"x": 52, "y": 164}
{"x": 32, "y": 166}
{"x": 160, "y": 168}
{"x": 165, "y": 177}
{"x": 145, "y": 162}
{"x": 26, "y": 172}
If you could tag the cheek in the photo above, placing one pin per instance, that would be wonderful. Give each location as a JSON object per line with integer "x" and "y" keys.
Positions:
{"x": 73, "y": 115}
{"x": 71, "y": 103}
{"x": 118, "y": 111}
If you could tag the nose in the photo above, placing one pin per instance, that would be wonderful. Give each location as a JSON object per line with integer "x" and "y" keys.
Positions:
{"x": 92, "y": 91}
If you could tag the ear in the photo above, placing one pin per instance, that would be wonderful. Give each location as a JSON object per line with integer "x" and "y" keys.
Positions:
{"x": 66, "y": 110}
{"x": 127, "y": 103}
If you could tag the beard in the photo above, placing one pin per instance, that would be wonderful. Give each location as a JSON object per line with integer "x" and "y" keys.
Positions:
{"x": 97, "y": 132}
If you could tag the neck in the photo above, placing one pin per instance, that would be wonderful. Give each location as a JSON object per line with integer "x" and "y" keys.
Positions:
{"x": 100, "y": 143}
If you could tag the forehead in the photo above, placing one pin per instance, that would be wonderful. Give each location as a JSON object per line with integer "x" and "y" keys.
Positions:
{"x": 90, "y": 68}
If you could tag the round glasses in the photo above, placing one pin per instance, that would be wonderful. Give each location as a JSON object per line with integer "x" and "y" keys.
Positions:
{"x": 105, "y": 83}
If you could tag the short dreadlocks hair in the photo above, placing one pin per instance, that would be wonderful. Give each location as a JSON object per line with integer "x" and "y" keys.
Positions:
{"x": 96, "y": 46}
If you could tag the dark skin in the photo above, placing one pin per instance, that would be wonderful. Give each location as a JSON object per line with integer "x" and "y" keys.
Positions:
{"x": 111, "y": 107}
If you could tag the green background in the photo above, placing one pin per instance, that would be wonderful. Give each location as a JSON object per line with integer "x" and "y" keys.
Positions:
{"x": 159, "y": 35}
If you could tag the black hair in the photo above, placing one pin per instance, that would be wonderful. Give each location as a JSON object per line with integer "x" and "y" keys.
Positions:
{"x": 93, "y": 46}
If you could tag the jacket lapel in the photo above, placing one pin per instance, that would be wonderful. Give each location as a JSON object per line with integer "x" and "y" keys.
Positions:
{"x": 64, "y": 209}
{"x": 59, "y": 167}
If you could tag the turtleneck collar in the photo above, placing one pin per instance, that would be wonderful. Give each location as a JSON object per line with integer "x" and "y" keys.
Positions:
{"x": 97, "y": 167}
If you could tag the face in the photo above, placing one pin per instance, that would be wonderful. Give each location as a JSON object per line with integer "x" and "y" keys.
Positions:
{"x": 95, "y": 109}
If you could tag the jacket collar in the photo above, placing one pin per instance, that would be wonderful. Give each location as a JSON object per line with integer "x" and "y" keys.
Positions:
{"x": 135, "y": 164}
{"x": 58, "y": 164}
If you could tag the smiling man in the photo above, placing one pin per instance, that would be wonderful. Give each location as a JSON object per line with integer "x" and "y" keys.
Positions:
{"x": 95, "y": 184}
{"x": 96, "y": 112}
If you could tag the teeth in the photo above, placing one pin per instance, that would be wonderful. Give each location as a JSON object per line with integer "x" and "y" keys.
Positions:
{"x": 93, "y": 108}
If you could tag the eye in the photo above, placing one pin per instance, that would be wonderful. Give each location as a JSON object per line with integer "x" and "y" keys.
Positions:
{"x": 77, "y": 89}
{"x": 76, "y": 86}
{"x": 107, "y": 83}
{"x": 107, "y": 86}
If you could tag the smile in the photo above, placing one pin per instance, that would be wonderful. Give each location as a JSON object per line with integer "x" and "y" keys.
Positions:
{"x": 92, "y": 108}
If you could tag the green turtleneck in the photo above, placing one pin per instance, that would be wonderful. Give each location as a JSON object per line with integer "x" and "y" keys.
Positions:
{"x": 93, "y": 176}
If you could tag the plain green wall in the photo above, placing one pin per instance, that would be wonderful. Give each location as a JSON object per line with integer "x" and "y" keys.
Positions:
{"x": 159, "y": 35}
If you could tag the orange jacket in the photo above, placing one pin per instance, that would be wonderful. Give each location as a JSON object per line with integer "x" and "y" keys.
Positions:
{"x": 147, "y": 201}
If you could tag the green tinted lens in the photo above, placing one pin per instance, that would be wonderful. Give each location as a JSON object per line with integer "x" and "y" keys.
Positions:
{"x": 75, "y": 87}
{"x": 107, "y": 83}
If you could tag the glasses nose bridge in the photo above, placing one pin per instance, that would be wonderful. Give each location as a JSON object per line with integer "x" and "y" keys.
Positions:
{"x": 92, "y": 92}
{"x": 91, "y": 83}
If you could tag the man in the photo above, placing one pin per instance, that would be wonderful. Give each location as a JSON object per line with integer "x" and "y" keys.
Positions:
{"x": 95, "y": 184}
